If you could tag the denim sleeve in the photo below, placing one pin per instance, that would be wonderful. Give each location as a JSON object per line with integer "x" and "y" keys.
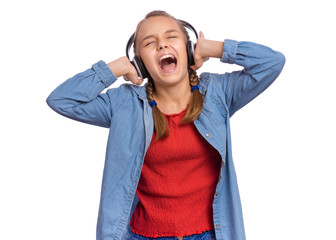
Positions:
{"x": 262, "y": 65}
{"x": 80, "y": 97}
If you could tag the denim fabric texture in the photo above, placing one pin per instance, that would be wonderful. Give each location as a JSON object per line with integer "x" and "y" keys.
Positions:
{"x": 128, "y": 115}
{"x": 208, "y": 235}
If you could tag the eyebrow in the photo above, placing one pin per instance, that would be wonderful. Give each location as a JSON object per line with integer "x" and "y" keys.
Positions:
{"x": 150, "y": 36}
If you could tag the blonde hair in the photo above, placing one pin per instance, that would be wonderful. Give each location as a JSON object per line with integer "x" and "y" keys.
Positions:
{"x": 196, "y": 100}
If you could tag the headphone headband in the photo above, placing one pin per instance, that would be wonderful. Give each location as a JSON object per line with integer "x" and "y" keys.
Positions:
{"x": 189, "y": 26}
{"x": 129, "y": 44}
{"x": 184, "y": 24}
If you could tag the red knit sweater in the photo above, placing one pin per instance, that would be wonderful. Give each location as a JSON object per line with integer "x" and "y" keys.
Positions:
{"x": 177, "y": 183}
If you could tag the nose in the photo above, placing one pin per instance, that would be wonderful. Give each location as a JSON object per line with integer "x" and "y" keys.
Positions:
{"x": 162, "y": 44}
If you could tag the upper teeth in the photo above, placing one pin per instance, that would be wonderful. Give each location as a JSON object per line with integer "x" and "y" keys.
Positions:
{"x": 166, "y": 56}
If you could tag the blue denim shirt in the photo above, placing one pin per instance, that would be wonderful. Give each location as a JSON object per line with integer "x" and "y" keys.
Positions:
{"x": 125, "y": 110}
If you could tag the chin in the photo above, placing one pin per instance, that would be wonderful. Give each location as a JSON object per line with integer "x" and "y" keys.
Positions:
{"x": 171, "y": 79}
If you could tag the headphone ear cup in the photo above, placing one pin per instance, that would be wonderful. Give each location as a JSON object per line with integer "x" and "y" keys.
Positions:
{"x": 140, "y": 67}
{"x": 190, "y": 53}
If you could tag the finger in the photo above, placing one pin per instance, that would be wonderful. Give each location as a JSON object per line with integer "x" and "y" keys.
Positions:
{"x": 140, "y": 80}
{"x": 193, "y": 67}
{"x": 134, "y": 80}
{"x": 197, "y": 65}
{"x": 201, "y": 34}
{"x": 137, "y": 80}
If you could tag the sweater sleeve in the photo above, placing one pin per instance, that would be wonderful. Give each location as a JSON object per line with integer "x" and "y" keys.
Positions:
{"x": 262, "y": 65}
{"x": 80, "y": 97}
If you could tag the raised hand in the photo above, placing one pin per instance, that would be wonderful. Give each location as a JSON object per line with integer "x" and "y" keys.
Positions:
{"x": 123, "y": 67}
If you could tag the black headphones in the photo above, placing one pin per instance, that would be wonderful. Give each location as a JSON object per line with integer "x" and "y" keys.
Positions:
{"x": 140, "y": 67}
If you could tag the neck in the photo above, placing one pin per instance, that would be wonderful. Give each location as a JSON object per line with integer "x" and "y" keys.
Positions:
{"x": 173, "y": 99}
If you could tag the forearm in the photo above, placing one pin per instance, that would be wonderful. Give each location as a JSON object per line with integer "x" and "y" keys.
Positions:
{"x": 212, "y": 48}
{"x": 82, "y": 87}
{"x": 80, "y": 97}
{"x": 255, "y": 58}
{"x": 262, "y": 65}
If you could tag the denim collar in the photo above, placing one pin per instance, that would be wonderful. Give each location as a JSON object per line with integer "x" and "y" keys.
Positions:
{"x": 140, "y": 90}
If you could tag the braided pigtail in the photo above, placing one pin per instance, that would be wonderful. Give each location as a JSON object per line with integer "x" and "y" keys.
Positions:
{"x": 196, "y": 100}
{"x": 160, "y": 122}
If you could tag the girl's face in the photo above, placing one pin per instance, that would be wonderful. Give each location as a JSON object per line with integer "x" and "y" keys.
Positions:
{"x": 162, "y": 47}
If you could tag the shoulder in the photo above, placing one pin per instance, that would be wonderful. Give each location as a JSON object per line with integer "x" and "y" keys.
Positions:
{"x": 127, "y": 89}
{"x": 126, "y": 97}
{"x": 127, "y": 93}
{"x": 212, "y": 81}
{"x": 213, "y": 86}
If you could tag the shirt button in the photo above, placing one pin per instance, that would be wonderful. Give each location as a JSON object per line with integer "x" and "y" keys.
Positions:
{"x": 207, "y": 135}
{"x": 217, "y": 226}
{"x": 217, "y": 194}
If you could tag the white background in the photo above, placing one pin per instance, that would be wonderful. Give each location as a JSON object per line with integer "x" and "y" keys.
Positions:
{"x": 283, "y": 141}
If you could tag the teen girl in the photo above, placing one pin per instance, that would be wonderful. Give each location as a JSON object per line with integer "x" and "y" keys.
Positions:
{"x": 168, "y": 171}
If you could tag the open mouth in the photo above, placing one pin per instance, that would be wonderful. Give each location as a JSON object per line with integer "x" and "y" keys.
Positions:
{"x": 168, "y": 63}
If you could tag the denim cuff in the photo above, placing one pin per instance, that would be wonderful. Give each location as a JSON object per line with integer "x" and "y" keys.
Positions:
{"x": 104, "y": 73}
{"x": 230, "y": 50}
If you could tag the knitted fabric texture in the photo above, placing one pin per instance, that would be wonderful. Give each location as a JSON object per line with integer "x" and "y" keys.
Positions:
{"x": 177, "y": 183}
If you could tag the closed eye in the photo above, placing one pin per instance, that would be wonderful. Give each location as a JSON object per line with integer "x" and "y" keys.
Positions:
{"x": 149, "y": 43}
